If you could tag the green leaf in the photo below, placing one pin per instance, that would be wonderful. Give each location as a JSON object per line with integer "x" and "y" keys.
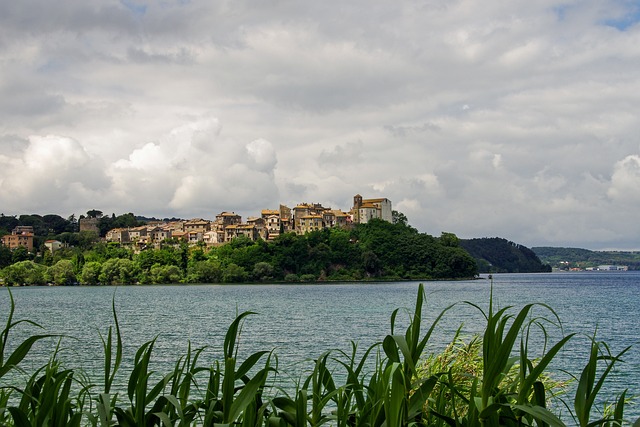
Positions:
{"x": 166, "y": 421}
{"x": 249, "y": 363}
{"x": 20, "y": 352}
{"x": 19, "y": 418}
{"x": 390, "y": 349}
{"x": 232, "y": 334}
{"x": 529, "y": 381}
{"x": 541, "y": 414}
{"x": 247, "y": 395}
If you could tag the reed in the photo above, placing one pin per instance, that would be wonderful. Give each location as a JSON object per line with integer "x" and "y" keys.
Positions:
{"x": 491, "y": 380}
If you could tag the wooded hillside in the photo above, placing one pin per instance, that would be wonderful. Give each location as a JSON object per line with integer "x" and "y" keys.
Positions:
{"x": 497, "y": 255}
{"x": 377, "y": 250}
{"x": 565, "y": 258}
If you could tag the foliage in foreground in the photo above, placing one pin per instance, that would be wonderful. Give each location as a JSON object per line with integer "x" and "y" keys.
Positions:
{"x": 388, "y": 385}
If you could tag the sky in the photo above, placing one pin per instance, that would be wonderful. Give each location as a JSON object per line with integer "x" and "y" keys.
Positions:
{"x": 515, "y": 119}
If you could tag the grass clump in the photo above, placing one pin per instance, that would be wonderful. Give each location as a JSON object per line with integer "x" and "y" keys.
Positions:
{"x": 489, "y": 380}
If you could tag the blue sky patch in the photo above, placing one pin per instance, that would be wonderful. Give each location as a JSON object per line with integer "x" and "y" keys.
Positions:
{"x": 629, "y": 18}
{"x": 138, "y": 9}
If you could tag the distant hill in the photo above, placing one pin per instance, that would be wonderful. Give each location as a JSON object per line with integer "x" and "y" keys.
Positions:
{"x": 497, "y": 255}
{"x": 565, "y": 258}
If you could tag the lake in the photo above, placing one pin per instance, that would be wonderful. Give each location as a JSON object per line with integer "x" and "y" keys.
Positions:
{"x": 300, "y": 322}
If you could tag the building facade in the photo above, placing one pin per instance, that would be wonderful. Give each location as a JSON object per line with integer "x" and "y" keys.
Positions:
{"x": 365, "y": 210}
{"x": 19, "y": 238}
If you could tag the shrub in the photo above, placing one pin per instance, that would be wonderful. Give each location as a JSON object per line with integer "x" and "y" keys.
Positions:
{"x": 291, "y": 277}
{"x": 91, "y": 273}
{"x": 233, "y": 273}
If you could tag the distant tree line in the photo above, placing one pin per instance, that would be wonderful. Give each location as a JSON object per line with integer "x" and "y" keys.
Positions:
{"x": 378, "y": 250}
{"x": 497, "y": 255}
{"x": 565, "y": 258}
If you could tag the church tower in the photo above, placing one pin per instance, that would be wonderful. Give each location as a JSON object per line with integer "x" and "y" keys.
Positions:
{"x": 357, "y": 204}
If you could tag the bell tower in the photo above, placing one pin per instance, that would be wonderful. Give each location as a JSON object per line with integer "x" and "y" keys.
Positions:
{"x": 357, "y": 204}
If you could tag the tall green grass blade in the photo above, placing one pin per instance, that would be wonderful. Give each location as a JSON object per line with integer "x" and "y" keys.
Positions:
{"x": 107, "y": 346}
{"x": 542, "y": 415}
{"x": 249, "y": 363}
{"x": 20, "y": 419}
{"x": 526, "y": 384}
{"x": 394, "y": 402}
{"x": 618, "y": 413}
{"x": 232, "y": 335}
{"x": 588, "y": 388}
{"x": 164, "y": 418}
{"x": 20, "y": 352}
{"x": 247, "y": 395}
{"x": 354, "y": 387}
{"x": 104, "y": 407}
{"x": 421, "y": 394}
{"x": 497, "y": 352}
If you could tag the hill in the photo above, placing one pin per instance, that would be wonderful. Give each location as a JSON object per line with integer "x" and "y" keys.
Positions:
{"x": 376, "y": 250}
{"x": 567, "y": 258}
{"x": 497, "y": 255}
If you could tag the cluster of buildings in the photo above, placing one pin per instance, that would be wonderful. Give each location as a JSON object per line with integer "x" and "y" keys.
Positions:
{"x": 227, "y": 226}
{"x": 22, "y": 236}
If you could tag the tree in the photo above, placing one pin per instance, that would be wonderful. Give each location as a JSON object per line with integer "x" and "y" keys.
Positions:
{"x": 371, "y": 263}
{"x": 109, "y": 272}
{"x": 61, "y": 273}
{"x": 206, "y": 271}
{"x": 449, "y": 240}
{"x": 233, "y": 273}
{"x": 290, "y": 253}
{"x": 262, "y": 271}
{"x": 24, "y": 273}
{"x": 35, "y": 221}
{"x": 19, "y": 254}
{"x": 72, "y": 224}
{"x": 127, "y": 271}
{"x": 86, "y": 239}
{"x": 399, "y": 218}
{"x": 165, "y": 274}
{"x": 118, "y": 271}
{"x": 93, "y": 213}
{"x": 91, "y": 273}
{"x": 8, "y": 223}
{"x": 55, "y": 224}
{"x": 126, "y": 220}
{"x": 5, "y": 256}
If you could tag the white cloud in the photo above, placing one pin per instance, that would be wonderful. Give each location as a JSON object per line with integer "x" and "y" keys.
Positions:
{"x": 262, "y": 155}
{"x": 193, "y": 170}
{"x": 50, "y": 171}
{"x": 492, "y": 118}
{"x": 625, "y": 180}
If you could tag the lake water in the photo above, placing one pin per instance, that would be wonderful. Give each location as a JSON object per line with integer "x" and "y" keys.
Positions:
{"x": 300, "y": 322}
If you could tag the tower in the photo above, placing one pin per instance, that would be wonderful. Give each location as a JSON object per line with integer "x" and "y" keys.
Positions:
{"x": 357, "y": 204}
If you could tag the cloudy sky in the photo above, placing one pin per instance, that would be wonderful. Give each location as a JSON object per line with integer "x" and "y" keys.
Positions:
{"x": 518, "y": 119}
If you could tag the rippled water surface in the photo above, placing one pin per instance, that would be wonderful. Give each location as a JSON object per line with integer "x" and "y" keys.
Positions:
{"x": 300, "y": 322}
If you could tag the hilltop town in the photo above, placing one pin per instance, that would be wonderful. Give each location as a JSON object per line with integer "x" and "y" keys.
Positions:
{"x": 226, "y": 226}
